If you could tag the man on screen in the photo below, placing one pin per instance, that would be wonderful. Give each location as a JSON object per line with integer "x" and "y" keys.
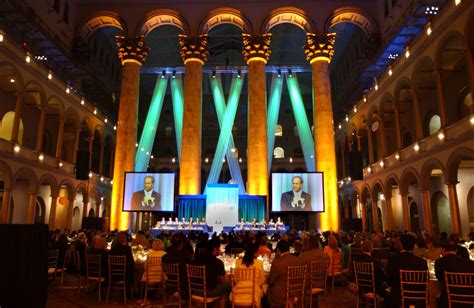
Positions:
{"x": 296, "y": 199}
{"x": 146, "y": 199}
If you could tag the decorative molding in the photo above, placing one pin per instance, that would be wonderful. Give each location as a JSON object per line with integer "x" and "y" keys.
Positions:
{"x": 132, "y": 49}
{"x": 256, "y": 46}
{"x": 193, "y": 47}
{"x": 319, "y": 47}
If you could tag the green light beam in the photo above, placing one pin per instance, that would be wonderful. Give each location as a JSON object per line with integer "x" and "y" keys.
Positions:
{"x": 177, "y": 97}
{"x": 272, "y": 115}
{"x": 226, "y": 116}
{"x": 145, "y": 145}
{"x": 306, "y": 137}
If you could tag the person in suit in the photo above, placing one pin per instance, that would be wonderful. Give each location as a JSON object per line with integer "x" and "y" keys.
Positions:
{"x": 450, "y": 262}
{"x": 405, "y": 260}
{"x": 146, "y": 199}
{"x": 296, "y": 199}
{"x": 278, "y": 275}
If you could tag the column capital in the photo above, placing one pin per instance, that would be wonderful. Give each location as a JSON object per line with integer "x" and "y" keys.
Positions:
{"x": 194, "y": 48}
{"x": 256, "y": 47}
{"x": 132, "y": 49}
{"x": 319, "y": 47}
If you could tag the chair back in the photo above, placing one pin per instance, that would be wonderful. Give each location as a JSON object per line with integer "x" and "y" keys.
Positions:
{"x": 67, "y": 258}
{"x": 154, "y": 270}
{"x": 243, "y": 285}
{"x": 196, "y": 279}
{"x": 460, "y": 288}
{"x": 171, "y": 271}
{"x": 295, "y": 284}
{"x": 385, "y": 252}
{"x": 117, "y": 268}
{"x": 53, "y": 259}
{"x": 93, "y": 265}
{"x": 414, "y": 287}
{"x": 364, "y": 273}
{"x": 384, "y": 264}
{"x": 354, "y": 254}
{"x": 319, "y": 270}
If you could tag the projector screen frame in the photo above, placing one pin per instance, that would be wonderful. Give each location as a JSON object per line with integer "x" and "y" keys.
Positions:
{"x": 154, "y": 174}
{"x": 271, "y": 196}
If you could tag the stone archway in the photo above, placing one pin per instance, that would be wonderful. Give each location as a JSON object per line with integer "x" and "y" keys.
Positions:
{"x": 162, "y": 17}
{"x": 225, "y": 15}
{"x": 98, "y": 20}
{"x": 291, "y": 15}
{"x": 353, "y": 15}
{"x": 441, "y": 213}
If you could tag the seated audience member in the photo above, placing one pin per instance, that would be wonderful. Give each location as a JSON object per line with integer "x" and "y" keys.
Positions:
{"x": 450, "y": 262}
{"x": 434, "y": 248}
{"x": 215, "y": 271}
{"x": 346, "y": 249}
{"x": 158, "y": 251}
{"x": 454, "y": 239}
{"x": 421, "y": 248}
{"x": 378, "y": 271}
{"x": 282, "y": 242}
{"x": 80, "y": 245}
{"x": 120, "y": 248}
{"x": 140, "y": 239}
{"x": 335, "y": 255}
{"x": 178, "y": 254}
{"x": 250, "y": 261}
{"x": 405, "y": 260}
{"x": 263, "y": 247}
{"x": 297, "y": 248}
{"x": 278, "y": 275}
{"x": 62, "y": 245}
{"x": 99, "y": 246}
{"x": 377, "y": 252}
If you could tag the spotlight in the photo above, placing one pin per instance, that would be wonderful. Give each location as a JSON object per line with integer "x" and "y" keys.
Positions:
{"x": 290, "y": 74}
{"x": 238, "y": 74}
{"x": 41, "y": 157}
{"x": 206, "y": 160}
{"x": 416, "y": 147}
{"x": 60, "y": 164}
{"x": 105, "y": 120}
{"x": 115, "y": 127}
{"x": 95, "y": 111}
{"x": 16, "y": 148}
{"x": 101, "y": 178}
{"x": 214, "y": 74}
{"x": 82, "y": 102}
{"x": 12, "y": 80}
{"x": 174, "y": 75}
{"x": 279, "y": 73}
{"x": 240, "y": 160}
{"x": 291, "y": 159}
{"x": 1, "y": 37}
{"x": 173, "y": 160}
{"x": 90, "y": 174}
{"x": 163, "y": 74}
{"x": 68, "y": 90}
{"x": 50, "y": 75}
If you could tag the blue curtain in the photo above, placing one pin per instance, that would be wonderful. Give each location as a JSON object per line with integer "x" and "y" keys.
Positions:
{"x": 251, "y": 207}
{"x": 192, "y": 206}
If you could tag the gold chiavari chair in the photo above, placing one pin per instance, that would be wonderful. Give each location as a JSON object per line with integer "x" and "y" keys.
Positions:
{"x": 319, "y": 270}
{"x": 52, "y": 263}
{"x": 460, "y": 288}
{"x": 171, "y": 280}
{"x": 295, "y": 285}
{"x": 153, "y": 275}
{"x": 364, "y": 274}
{"x": 414, "y": 286}
{"x": 117, "y": 275}
{"x": 63, "y": 270}
{"x": 243, "y": 287}
{"x": 197, "y": 285}
{"x": 354, "y": 254}
{"x": 94, "y": 272}
{"x": 384, "y": 264}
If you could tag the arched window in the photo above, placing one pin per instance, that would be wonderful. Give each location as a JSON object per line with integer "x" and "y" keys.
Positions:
{"x": 278, "y": 130}
{"x": 6, "y": 127}
{"x": 435, "y": 124}
{"x": 91, "y": 213}
{"x": 278, "y": 152}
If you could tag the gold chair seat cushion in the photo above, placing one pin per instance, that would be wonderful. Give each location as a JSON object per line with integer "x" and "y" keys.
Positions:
{"x": 317, "y": 290}
{"x": 51, "y": 270}
{"x": 208, "y": 299}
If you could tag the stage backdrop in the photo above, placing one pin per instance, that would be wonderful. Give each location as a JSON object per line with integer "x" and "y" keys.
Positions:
{"x": 222, "y": 206}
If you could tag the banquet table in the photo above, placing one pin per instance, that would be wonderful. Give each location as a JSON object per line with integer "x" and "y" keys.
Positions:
{"x": 157, "y": 231}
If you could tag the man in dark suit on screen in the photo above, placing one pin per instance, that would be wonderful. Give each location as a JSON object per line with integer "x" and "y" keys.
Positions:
{"x": 296, "y": 199}
{"x": 146, "y": 199}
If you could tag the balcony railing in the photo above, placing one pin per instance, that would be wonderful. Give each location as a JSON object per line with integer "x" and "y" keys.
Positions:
{"x": 431, "y": 143}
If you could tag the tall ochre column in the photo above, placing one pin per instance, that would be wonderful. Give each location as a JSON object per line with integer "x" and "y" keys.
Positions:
{"x": 256, "y": 51}
{"x": 319, "y": 50}
{"x": 194, "y": 52}
{"x": 132, "y": 52}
